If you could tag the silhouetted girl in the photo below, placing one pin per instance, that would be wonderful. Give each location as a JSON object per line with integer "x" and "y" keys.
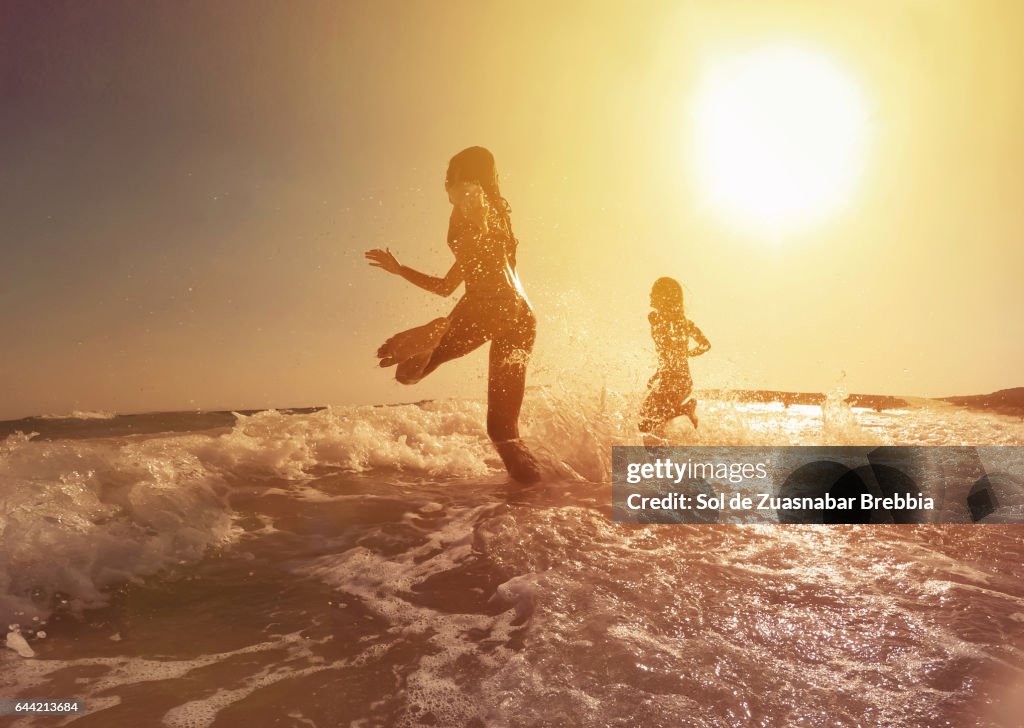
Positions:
{"x": 493, "y": 309}
{"x": 670, "y": 387}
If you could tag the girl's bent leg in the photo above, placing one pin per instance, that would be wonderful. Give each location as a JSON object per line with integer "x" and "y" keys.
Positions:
{"x": 412, "y": 350}
{"x": 666, "y": 400}
{"x": 413, "y": 342}
{"x": 690, "y": 410}
{"x": 412, "y": 369}
{"x": 439, "y": 341}
{"x": 464, "y": 334}
{"x": 651, "y": 417}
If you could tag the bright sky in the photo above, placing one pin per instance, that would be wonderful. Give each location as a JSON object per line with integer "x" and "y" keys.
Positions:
{"x": 188, "y": 189}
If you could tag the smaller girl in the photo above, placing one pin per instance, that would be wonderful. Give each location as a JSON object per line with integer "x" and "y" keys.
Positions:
{"x": 670, "y": 387}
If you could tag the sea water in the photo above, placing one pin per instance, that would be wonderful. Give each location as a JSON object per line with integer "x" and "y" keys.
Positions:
{"x": 371, "y": 566}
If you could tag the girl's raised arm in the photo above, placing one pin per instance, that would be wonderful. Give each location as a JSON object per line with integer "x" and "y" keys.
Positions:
{"x": 385, "y": 260}
{"x": 702, "y": 341}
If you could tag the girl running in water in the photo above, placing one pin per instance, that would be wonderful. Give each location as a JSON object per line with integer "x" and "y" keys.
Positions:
{"x": 670, "y": 387}
{"x": 494, "y": 307}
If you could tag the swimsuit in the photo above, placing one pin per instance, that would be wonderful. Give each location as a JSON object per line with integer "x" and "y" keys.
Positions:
{"x": 671, "y": 385}
{"x": 494, "y": 307}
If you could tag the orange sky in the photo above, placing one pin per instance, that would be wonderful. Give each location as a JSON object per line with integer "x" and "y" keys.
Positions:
{"x": 189, "y": 189}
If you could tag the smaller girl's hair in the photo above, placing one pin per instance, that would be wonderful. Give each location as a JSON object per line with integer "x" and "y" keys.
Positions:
{"x": 668, "y": 293}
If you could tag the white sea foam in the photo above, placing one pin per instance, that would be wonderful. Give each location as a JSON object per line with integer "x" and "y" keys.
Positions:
{"x": 78, "y": 516}
{"x": 119, "y": 673}
{"x": 647, "y": 625}
{"x": 80, "y": 415}
{"x": 475, "y": 609}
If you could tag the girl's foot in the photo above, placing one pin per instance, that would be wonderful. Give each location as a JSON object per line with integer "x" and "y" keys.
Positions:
{"x": 520, "y": 463}
{"x": 410, "y": 370}
{"x": 407, "y": 344}
{"x": 690, "y": 410}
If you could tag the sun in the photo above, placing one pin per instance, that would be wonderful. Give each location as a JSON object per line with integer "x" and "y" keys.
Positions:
{"x": 780, "y": 136}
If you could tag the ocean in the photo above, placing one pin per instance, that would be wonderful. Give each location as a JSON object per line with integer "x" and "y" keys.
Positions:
{"x": 371, "y": 566}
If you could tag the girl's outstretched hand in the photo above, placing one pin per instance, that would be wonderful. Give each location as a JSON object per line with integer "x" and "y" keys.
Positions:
{"x": 383, "y": 259}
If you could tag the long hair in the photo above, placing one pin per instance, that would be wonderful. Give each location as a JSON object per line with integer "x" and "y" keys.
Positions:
{"x": 668, "y": 294}
{"x": 476, "y": 164}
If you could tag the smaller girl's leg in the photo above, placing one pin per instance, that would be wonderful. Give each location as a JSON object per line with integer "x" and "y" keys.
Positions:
{"x": 683, "y": 405}
{"x": 652, "y": 416}
{"x": 666, "y": 400}
{"x": 690, "y": 410}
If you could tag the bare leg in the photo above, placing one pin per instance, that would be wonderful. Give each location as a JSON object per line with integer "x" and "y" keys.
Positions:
{"x": 410, "y": 371}
{"x": 420, "y": 351}
{"x": 466, "y": 328}
{"x": 667, "y": 398}
{"x": 506, "y": 386}
{"x": 463, "y": 336}
{"x": 651, "y": 418}
{"x": 690, "y": 410}
{"x": 408, "y": 343}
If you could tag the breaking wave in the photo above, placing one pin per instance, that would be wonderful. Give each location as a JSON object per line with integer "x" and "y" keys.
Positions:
{"x": 80, "y": 516}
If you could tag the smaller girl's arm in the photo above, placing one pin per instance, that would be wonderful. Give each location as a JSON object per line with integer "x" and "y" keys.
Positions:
{"x": 659, "y": 332}
{"x": 702, "y": 341}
